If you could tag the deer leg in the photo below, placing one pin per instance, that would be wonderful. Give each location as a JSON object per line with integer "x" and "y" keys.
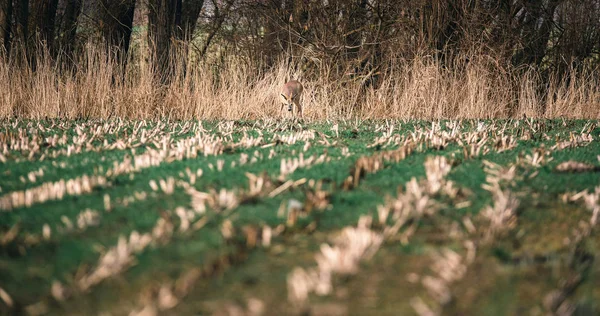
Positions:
{"x": 300, "y": 113}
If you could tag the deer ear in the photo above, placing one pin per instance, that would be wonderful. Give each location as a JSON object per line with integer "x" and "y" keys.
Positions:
{"x": 283, "y": 95}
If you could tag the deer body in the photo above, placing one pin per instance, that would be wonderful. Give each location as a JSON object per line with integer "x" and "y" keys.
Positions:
{"x": 291, "y": 92}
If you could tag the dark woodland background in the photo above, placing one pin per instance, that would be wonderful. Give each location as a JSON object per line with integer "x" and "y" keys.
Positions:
{"x": 355, "y": 40}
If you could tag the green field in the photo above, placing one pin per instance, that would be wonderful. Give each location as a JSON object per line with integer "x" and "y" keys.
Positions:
{"x": 275, "y": 217}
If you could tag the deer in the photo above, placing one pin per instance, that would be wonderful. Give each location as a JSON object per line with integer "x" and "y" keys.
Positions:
{"x": 291, "y": 92}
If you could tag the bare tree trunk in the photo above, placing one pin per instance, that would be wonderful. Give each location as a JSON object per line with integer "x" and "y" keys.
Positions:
{"x": 42, "y": 21}
{"x": 163, "y": 17}
{"x": 21, "y": 31}
{"x": 68, "y": 27}
{"x": 184, "y": 32}
{"x": 450, "y": 34}
{"x": 273, "y": 30}
{"x": 356, "y": 17}
{"x": 116, "y": 17}
{"x": 190, "y": 11}
{"x": 538, "y": 21}
{"x": 6, "y": 9}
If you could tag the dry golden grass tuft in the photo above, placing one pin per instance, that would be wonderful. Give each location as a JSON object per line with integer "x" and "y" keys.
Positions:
{"x": 421, "y": 88}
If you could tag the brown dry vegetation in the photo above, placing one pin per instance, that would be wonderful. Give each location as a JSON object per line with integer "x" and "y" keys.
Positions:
{"x": 417, "y": 88}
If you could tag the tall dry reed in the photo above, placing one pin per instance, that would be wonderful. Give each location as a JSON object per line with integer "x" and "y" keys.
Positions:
{"x": 421, "y": 88}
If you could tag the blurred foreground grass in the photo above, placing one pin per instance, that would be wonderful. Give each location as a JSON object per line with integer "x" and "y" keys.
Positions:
{"x": 212, "y": 217}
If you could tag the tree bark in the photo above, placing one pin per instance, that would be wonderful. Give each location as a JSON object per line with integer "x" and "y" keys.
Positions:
{"x": 356, "y": 18}
{"x": 116, "y": 21}
{"x": 536, "y": 34}
{"x": 42, "y": 22}
{"x": 6, "y": 9}
{"x": 163, "y": 18}
{"x": 68, "y": 27}
{"x": 190, "y": 11}
{"x": 21, "y": 33}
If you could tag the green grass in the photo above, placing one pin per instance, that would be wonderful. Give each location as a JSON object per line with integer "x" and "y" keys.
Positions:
{"x": 27, "y": 269}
